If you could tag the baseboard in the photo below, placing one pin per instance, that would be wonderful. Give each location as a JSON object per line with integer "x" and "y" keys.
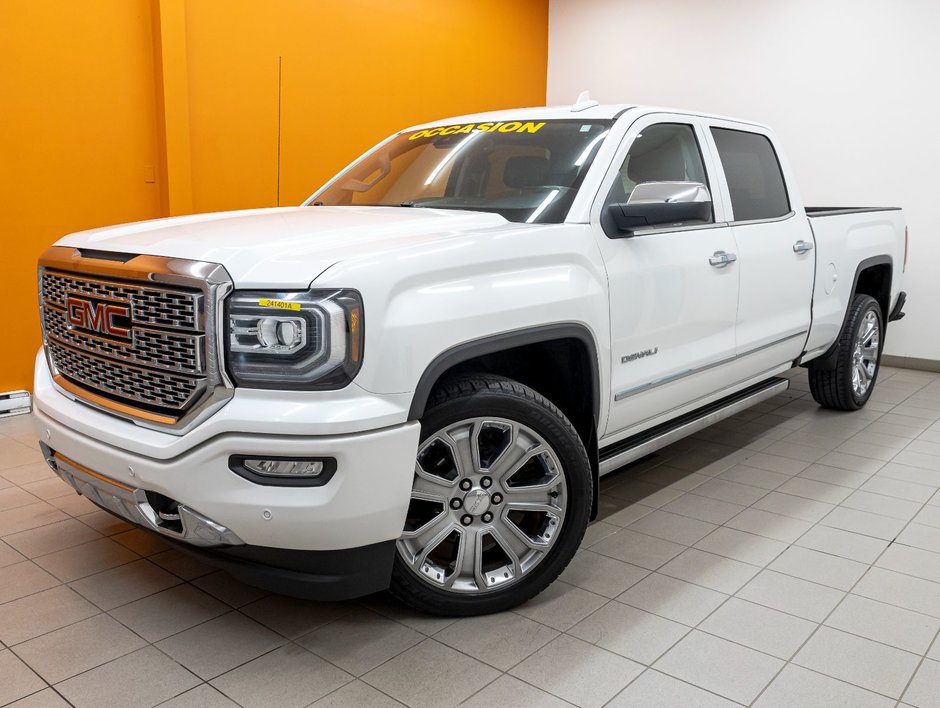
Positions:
{"x": 911, "y": 362}
{"x": 15, "y": 403}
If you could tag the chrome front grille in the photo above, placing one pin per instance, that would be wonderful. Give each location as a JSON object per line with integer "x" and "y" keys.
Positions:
{"x": 140, "y": 385}
{"x": 135, "y": 336}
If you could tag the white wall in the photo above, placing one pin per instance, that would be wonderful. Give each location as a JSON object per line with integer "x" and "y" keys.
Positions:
{"x": 851, "y": 87}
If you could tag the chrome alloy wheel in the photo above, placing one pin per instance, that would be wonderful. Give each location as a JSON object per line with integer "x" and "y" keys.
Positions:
{"x": 487, "y": 505}
{"x": 865, "y": 355}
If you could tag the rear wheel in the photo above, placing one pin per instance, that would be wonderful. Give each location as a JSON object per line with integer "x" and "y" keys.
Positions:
{"x": 500, "y": 499}
{"x": 849, "y": 385}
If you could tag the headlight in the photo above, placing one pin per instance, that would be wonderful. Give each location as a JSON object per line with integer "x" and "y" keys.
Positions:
{"x": 294, "y": 340}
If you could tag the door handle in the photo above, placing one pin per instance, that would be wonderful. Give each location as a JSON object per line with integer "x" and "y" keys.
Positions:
{"x": 802, "y": 246}
{"x": 720, "y": 259}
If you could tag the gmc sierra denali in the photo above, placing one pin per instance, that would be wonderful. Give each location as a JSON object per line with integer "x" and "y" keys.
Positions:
{"x": 415, "y": 379}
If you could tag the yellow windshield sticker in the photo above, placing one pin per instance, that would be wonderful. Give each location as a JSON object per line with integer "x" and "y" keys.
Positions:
{"x": 513, "y": 126}
{"x": 279, "y": 304}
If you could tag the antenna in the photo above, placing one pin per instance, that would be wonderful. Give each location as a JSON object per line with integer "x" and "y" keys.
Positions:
{"x": 584, "y": 102}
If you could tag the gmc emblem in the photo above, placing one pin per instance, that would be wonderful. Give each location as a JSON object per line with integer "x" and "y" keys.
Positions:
{"x": 97, "y": 317}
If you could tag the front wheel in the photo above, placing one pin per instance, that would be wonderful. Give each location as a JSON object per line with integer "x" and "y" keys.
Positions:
{"x": 500, "y": 500}
{"x": 849, "y": 385}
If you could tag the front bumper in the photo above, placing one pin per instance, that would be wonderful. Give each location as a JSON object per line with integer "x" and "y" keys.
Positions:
{"x": 321, "y": 575}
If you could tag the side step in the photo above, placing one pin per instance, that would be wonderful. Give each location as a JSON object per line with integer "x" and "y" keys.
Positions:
{"x": 642, "y": 444}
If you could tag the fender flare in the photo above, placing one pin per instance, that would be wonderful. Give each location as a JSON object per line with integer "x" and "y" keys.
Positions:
{"x": 500, "y": 342}
{"x": 827, "y": 361}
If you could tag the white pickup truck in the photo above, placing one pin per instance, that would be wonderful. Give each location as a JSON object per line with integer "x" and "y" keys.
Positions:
{"x": 415, "y": 379}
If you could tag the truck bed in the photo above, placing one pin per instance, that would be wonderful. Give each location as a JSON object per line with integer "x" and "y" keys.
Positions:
{"x": 838, "y": 211}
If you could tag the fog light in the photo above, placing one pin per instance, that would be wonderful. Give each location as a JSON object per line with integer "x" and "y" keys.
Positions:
{"x": 284, "y": 471}
{"x": 285, "y": 468}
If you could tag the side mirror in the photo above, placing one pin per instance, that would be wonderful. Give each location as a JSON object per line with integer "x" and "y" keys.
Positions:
{"x": 658, "y": 204}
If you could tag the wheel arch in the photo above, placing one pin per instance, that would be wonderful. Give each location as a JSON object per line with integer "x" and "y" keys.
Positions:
{"x": 545, "y": 358}
{"x": 873, "y": 277}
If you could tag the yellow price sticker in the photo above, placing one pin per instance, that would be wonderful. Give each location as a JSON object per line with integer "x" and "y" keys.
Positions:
{"x": 279, "y": 304}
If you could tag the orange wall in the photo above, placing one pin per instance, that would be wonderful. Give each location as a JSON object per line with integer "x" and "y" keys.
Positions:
{"x": 76, "y": 136}
{"x": 94, "y": 94}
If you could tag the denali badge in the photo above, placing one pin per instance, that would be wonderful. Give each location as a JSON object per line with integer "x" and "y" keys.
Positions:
{"x": 638, "y": 355}
{"x": 98, "y": 317}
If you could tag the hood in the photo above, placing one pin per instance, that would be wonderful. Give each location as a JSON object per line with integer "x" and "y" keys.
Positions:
{"x": 286, "y": 246}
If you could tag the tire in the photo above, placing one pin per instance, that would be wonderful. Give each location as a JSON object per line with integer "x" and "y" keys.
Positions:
{"x": 520, "y": 474}
{"x": 848, "y": 386}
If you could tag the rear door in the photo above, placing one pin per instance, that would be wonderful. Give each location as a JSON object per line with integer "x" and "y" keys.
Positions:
{"x": 673, "y": 306}
{"x": 776, "y": 257}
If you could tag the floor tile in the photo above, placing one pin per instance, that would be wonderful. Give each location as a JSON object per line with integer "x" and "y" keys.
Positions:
{"x": 796, "y": 686}
{"x": 414, "y": 677}
{"x": 601, "y": 574}
{"x": 293, "y": 617}
{"x": 731, "y": 492}
{"x": 907, "y": 473}
{"x": 78, "y": 647}
{"x": 912, "y": 561}
{"x": 51, "y": 538}
{"x": 815, "y": 490}
{"x": 508, "y": 689}
{"x": 18, "y": 679}
{"x": 142, "y": 542}
{"x": 633, "y": 633}
{"x": 361, "y": 640}
{"x": 921, "y": 536}
{"x": 156, "y": 678}
{"x": 203, "y": 696}
{"x": 852, "y": 462}
{"x": 765, "y": 523}
{"x": 776, "y": 463}
{"x": 182, "y": 565}
{"x": 794, "y": 506}
{"x": 124, "y": 584}
{"x": 42, "y": 612}
{"x": 720, "y": 666}
{"x": 657, "y": 690}
{"x": 754, "y": 477}
{"x": 898, "y": 489}
{"x": 709, "y": 570}
{"x": 844, "y": 544}
{"x": 232, "y": 592}
{"x": 672, "y": 527}
{"x": 86, "y": 559}
{"x": 46, "y": 698}
{"x": 714, "y": 511}
{"x": 165, "y": 613}
{"x": 13, "y": 497}
{"x": 863, "y": 522}
{"x": 792, "y": 595}
{"x": 598, "y": 531}
{"x": 578, "y": 672}
{"x": 822, "y": 568}
{"x": 835, "y": 476}
{"x": 638, "y": 549}
{"x": 673, "y": 599}
{"x": 899, "y": 589}
{"x": 924, "y": 691}
{"x": 561, "y": 606}
{"x": 888, "y": 624}
{"x": 8, "y": 556}
{"x": 859, "y": 661}
{"x": 500, "y": 640}
{"x": 288, "y": 677}
{"x": 881, "y": 504}
{"x": 104, "y": 523}
{"x": 22, "y": 579}
{"x": 28, "y": 517}
{"x": 741, "y": 546}
{"x": 389, "y": 607}
{"x": 216, "y": 646}
{"x": 758, "y": 627}
{"x": 359, "y": 694}
{"x": 623, "y": 513}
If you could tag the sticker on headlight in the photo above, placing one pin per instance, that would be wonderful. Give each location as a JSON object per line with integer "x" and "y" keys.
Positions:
{"x": 279, "y": 304}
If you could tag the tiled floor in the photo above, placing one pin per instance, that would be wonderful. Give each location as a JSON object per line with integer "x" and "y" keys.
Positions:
{"x": 789, "y": 556}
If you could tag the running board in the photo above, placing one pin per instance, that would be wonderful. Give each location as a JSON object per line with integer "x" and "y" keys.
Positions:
{"x": 649, "y": 441}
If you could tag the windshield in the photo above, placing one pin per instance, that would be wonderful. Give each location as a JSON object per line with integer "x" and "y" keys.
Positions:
{"x": 526, "y": 171}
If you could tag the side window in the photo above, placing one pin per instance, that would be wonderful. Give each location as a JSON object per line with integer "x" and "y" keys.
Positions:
{"x": 665, "y": 152}
{"x": 755, "y": 181}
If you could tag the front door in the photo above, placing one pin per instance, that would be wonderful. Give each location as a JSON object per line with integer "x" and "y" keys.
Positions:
{"x": 673, "y": 301}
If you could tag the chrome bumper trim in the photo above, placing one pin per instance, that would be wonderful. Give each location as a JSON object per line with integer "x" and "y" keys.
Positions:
{"x": 131, "y": 504}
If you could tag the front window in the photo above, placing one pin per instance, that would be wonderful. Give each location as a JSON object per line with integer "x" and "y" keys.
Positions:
{"x": 527, "y": 171}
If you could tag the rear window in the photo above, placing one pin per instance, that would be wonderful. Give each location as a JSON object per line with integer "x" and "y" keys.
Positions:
{"x": 753, "y": 174}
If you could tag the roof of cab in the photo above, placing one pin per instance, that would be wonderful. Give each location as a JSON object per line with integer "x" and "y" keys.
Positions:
{"x": 592, "y": 111}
